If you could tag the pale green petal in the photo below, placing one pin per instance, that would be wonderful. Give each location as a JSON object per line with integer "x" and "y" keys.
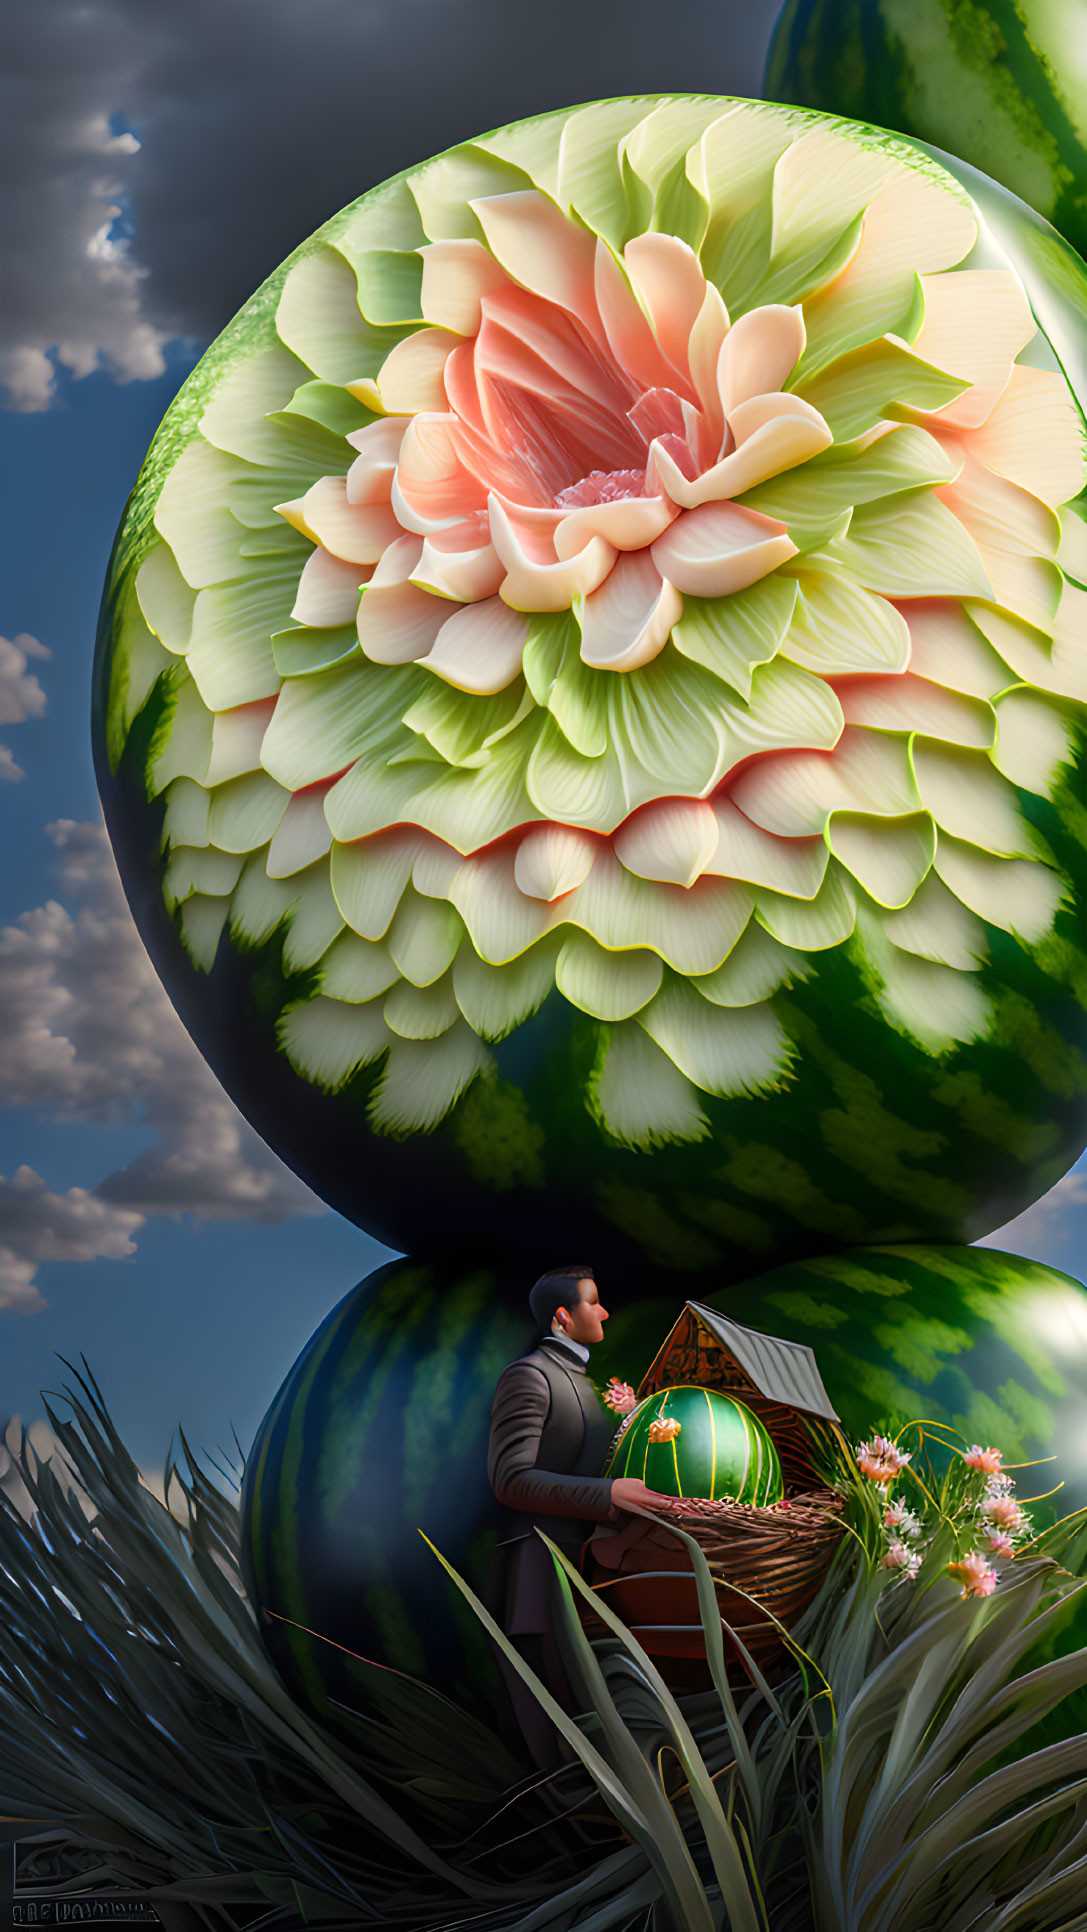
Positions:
{"x": 424, "y": 937}
{"x": 236, "y": 740}
{"x": 315, "y": 920}
{"x": 559, "y": 680}
{"x": 199, "y": 868}
{"x": 1072, "y": 549}
{"x": 165, "y": 599}
{"x": 302, "y": 837}
{"x": 969, "y": 799}
{"x": 423, "y": 1079}
{"x": 757, "y": 967}
{"x": 947, "y": 649}
{"x": 589, "y": 181}
{"x": 466, "y": 808}
{"x": 693, "y": 928}
{"x": 889, "y": 857}
{"x": 838, "y": 628}
{"x": 463, "y": 727}
{"x": 301, "y": 650}
{"x": 138, "y": 661}
{"x": 443, "y": 188}
{"x": 1034, "y": 741}
{"x": 734, "y": 168}
{"x": 323, "y": 723}
{"x": 230, "y": 649}
{"x": 235, "y": 418}
{"x": 370, "y": 878}
{"x": 201, "y": 921}
{"x": 1057, "y": 664}
{"x": 609, "y": 985}
{"x": 328, "y": 405}
{"x": 495, "y": 999}
{"x": 421, "y": 1012}
{"x": 731, "y": 635}
{"x": 869, "y": 771}
{"x": 908, "y": 546}
{"x": 186, "y": 820}
{"x": 356, "y": 970}
{"x": 502, "y": 921}
{"x": 861, "y": 388}
{"x": 390, "y": 286}
{"x": 258, "y": 904}
{"x": 724, "y": 1051}
{"x": 936, "y": 926}
{"x": 318, "y": 317}
{"x": 1019, "y": 895}
{"x": 810, "y": 497}
{"x": 193, "y": 517}
{"x": 812, "y": 925}
{"x": 327, "y": 1040}
{"x": 639, "y": 1096}
{"x": 246, "y": 812}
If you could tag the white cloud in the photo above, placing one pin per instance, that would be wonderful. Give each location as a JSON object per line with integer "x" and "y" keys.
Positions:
{"x": 257, "y": 119}
{"x": 1042, "y": 1231}
{"x": 21, "y": 696}
{"x": 87, "y": 1034}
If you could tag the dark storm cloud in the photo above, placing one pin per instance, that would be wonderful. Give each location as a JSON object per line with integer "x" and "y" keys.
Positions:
{"x": 256, "y": 120}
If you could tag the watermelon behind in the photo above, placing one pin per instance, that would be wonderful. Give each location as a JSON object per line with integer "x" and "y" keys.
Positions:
{"x": 1003, "y": 83}
{"x": 379, "y": 1431}
{"x": 721, "y": 1448}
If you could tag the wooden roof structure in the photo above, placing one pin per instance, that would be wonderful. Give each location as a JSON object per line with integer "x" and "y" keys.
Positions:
{"x": 778, "y": 1380}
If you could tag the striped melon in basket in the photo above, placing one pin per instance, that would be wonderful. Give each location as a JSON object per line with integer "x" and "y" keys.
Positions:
{"x": 693, "y": 1441}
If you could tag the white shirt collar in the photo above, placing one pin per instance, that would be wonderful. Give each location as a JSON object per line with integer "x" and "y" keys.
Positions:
{"x": 566, "y": 1341}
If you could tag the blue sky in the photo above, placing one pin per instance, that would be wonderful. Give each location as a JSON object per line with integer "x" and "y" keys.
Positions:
{"x": 154, "y": 177}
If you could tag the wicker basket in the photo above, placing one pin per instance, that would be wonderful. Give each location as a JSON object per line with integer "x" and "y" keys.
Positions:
{"x": 778, "y": 1555}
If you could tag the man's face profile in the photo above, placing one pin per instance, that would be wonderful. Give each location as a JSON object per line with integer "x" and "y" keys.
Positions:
{"x": 585, "y": 1313}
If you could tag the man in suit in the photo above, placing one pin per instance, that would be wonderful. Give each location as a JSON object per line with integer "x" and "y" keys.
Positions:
{"x": 549, "y": 1438}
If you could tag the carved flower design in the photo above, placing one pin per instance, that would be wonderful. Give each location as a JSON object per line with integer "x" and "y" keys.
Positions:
{"x": 632, "y": 575}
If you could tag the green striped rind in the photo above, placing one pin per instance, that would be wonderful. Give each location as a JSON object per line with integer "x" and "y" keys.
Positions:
{"x": 981, "y": 1342}
{"x": 379, "y": 1430}
{"x": 722, "y": 1449}
{"x": 1003, "y": 83}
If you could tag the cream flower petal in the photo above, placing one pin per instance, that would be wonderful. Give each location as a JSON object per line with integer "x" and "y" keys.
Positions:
{"x": 626, "y": 623}
{"x": 772, "y": 433}
{"x": 357, "y": 533}
{"x": 369, "y": 480}
{"x": 328, "y": 591}
{"x": 1034, "y": 436}
{"x": 479, "y": 648}
{"x": 976, "y": 322}
{"x": 703, "y": 354}
{"x": 719, "y": 548}
{"x": 673, "y": 842}
{"x": 456, "y": 275}
{"x": 400, "y": 622}
{"x": 629, "y": 335}
{"x": 410, "y": 378}
{"x": 468, "y": 576}
{"x": 433, "y": 489}
{"x": 553, "y": 860}
{"x": 543, "y": 250}
{"x": 667, "y": 278}
{"x": 532, "y": 586}
{"x": 759, "y": 353}
{"x": 630, "y": 523}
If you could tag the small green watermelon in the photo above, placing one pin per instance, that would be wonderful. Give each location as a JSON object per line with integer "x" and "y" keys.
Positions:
{"x": 716, "y": 1447}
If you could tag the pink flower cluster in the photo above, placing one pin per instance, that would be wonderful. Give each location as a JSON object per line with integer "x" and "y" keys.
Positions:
{"x": 881, "y": 1460}
{"x": 619, "y": 1397}
{"x": 977, "y": 1577}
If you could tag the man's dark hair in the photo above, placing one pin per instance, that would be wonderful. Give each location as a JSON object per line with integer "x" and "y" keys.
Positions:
{"x": 552, "y": 1292}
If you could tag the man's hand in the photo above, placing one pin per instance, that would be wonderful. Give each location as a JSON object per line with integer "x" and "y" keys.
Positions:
{"x": 629, "y": 1490}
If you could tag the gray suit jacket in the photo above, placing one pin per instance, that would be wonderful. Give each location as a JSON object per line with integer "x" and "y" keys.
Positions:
{"x": 549, "y": 1438}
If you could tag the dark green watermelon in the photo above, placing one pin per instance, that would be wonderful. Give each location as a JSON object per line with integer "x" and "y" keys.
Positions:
{"x": 720, "y": 1448}
{"x": 379, "y": 1431}
{"x": 1003, "y": 83}
{"x": 985, "y": 1343}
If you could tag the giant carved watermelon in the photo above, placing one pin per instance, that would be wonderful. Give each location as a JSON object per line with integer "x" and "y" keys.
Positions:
{"x": 590, "y": 697}
{"x": 379, "y": 1431}
{"x": 1003, "y": 83}
{"x": 715, "y": 1446}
